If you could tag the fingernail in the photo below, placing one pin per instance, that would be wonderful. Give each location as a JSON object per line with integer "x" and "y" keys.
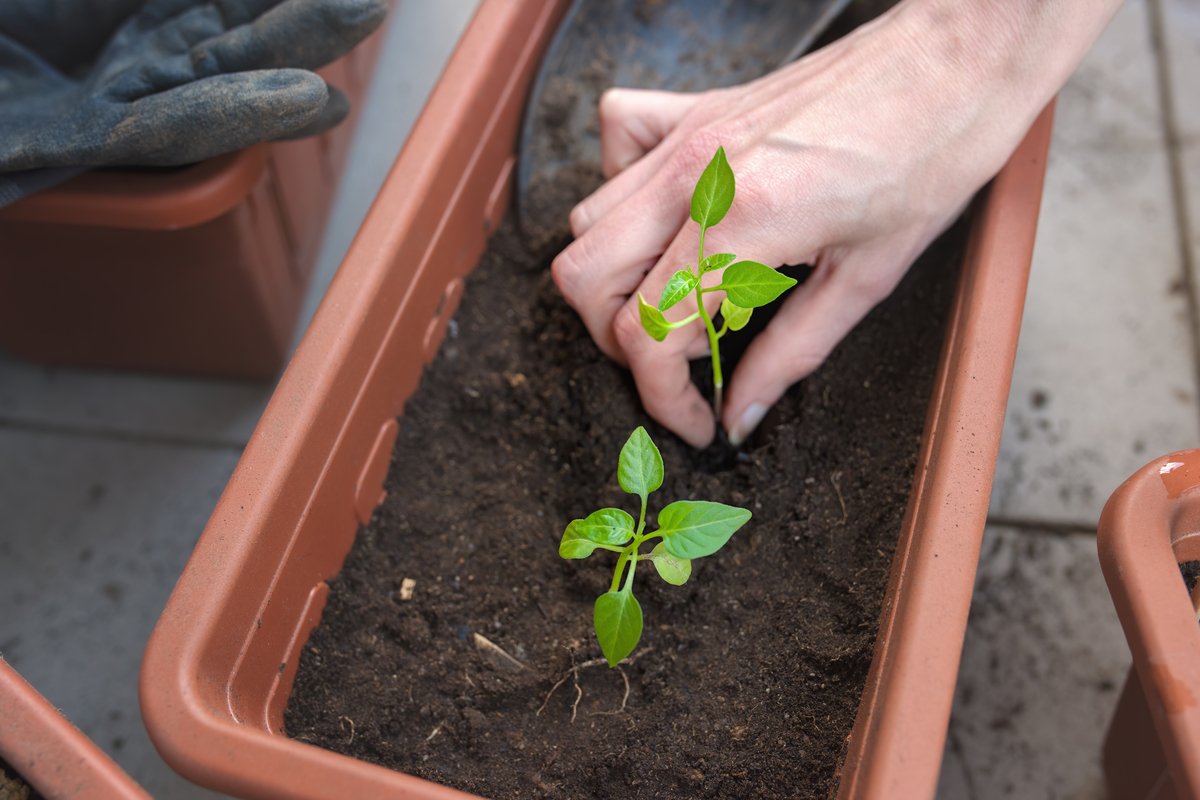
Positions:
{"x": 747, "y": 423}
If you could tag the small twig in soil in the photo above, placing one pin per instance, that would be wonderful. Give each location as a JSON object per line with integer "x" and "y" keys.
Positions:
{"x": 344, "y": 720}
{"x": 488, "y": 646}
{"x": 437, "y": 729}
{"x": 835, "y": 479}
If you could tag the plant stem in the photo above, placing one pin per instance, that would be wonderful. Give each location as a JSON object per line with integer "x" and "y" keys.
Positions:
{"x": 713, "y": 338}
{"x": 616, "y": 581}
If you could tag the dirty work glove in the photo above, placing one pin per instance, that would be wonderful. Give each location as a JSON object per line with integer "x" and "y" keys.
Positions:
{"x": 167, "y": 82}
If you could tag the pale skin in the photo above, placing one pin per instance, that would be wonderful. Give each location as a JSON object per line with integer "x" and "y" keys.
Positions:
{"x": 852, "y": 159}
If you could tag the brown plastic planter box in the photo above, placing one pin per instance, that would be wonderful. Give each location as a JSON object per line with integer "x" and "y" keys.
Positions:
{"x": 220, "y": 664}
{"x": 1149, "y": 527}
{"x": 50, "y": 753}
{"x": 198, "y": 270}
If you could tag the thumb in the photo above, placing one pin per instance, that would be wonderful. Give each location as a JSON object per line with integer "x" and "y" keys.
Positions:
{"x": 812, "y": 321}
{"x": 633, "y": 121}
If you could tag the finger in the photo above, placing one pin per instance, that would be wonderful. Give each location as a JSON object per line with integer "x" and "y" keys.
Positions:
{"x": 663, "y": 155}
{"x": 300, "y": 34}
{"x": 600, "y": 270}
{"x": 634, "y": 121}
{"x": 664, "y": 381}
{"x": 304, "y": 34}
{"x": 217, "y": 115}
{"x": 812, "y": 321}
{"x": 333, "y": 112}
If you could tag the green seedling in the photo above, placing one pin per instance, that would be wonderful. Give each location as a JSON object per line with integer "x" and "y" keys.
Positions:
{"x": 688, "y": 529}
{"x": 747, "y": 284}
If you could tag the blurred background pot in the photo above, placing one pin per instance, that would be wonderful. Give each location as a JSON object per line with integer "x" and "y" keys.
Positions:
{"x": 51, "y": 754}
{"x": 1150, "y": 526}
{"x": 198, "y": 270}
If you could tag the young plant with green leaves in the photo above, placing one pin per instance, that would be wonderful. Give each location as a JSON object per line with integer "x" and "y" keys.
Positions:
{"x": 747, "y": 284}
{"x": 688, "y": 529}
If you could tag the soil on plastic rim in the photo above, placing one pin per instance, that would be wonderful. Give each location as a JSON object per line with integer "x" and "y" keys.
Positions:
{"x": 747, "y": 678}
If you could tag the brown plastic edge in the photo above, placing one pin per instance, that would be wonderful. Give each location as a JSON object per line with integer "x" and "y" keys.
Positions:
{"x": 50, "y": 753}
{"x": 147, "y": 200}
{"x": 895, "y": 748}
{"x": 1150, "y": 524}
{"x": 197, "y": 713}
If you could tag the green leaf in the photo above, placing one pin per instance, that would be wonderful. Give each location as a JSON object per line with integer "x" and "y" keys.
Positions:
{"x": 607, "y": 526}
{"x": 749, "y": 284}
{"x": 640, "y": 467}
{"x": 714, "y": 191}
{"x": 618, "y": 621}
{"x": 716, "y": 261}
{"x": 671, "y": 569}
{"x": 682, "y": 284}
{"x": 653, "y": 320}
{"x": 736, "y": 317}
{"x": 574, "y": 544}
{"x": 698, "y": 528}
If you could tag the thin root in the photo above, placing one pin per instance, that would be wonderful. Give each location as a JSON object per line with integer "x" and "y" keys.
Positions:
{"x": 344, "y": 720}
{"x": 835, "y": 479}
{"x": 573, "y": 675}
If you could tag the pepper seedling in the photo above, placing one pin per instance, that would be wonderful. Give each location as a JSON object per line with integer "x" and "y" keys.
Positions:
{"x": 688, "y": 529}
{"x": 747, "y": 284}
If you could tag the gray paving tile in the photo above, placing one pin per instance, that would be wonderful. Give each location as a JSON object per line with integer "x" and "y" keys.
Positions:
{"x": 93, "y": 535}
{"x": 1105, "y": 377}
{"x": 124, "y": 404}
{"x": 1043, "y": 665}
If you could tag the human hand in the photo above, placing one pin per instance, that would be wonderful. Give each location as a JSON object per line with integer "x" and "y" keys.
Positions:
{"x": 178, "y": 81}
{"x": 851, "y": 160}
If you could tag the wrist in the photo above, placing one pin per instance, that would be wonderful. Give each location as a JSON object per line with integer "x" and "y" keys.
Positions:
{"x": 1022, "y": 50}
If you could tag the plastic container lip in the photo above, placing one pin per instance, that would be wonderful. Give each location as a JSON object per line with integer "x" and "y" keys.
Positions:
{"x": 166, "y": 199}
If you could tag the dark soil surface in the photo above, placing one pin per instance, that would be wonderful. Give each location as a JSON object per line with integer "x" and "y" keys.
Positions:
{"x": 1191, "y": 574}
{"x": 12, "y": 787}
{"x": 747, "y": 679}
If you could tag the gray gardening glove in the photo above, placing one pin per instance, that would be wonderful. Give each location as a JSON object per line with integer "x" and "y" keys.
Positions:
{"x": 166, "y": 82}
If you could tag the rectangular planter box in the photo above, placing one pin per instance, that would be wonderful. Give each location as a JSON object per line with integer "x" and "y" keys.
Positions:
{"x": 199, "y": 270}
{"x": 220, "y": 665}
{"x": 50, "y": 753}
{"x": 1151, "y": 525}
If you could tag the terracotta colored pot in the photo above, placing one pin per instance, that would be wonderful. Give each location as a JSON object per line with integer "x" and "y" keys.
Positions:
{"x": 199, "y": 270}
{"x": 1150, "y": 525}
{"x": 220, "y": 664}
{"x": 50, "y": 753}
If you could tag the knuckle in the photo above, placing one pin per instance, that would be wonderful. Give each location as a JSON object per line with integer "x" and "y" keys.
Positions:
{"x": 566, "y": 272}
{"x": 579, "y": 219}
{"x": 627, "y": 328}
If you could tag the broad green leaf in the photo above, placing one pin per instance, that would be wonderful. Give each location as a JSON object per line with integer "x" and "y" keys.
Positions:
{"x": 618, "y": 621}
{"x": 653, "y": 320}
{"x": 749, "y": 284}
{"x": 698, "y": 528}
{"x": 640, "y": 467}
{"x": 682, "y": 284}
{"x": 607, "y": 526}
{"x": 714, "y": 191}
{"x": 736, "y": 317}
{"x": 574, "y": 544}
{"x": 716, "y": 261}
{"x": 671, "y": 569}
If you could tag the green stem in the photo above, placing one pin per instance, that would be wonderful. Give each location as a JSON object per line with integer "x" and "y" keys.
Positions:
{"x": 633, "y": 559}
{"x": 616, "y": 581}
{"x": 713, "y": 339}
{"x": 616, "y": 548}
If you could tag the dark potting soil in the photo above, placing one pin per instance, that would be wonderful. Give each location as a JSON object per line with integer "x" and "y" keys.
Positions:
{"x": 1191, "y": 574}
{"x": 747, "y": 678}
{"x": 13, "y": 786}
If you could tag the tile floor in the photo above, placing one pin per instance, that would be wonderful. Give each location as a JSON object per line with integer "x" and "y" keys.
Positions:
{"x": 106, "y": 480}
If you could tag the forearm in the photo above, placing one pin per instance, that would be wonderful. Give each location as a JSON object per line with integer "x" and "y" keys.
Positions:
{"x": 1023, "y": 50}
